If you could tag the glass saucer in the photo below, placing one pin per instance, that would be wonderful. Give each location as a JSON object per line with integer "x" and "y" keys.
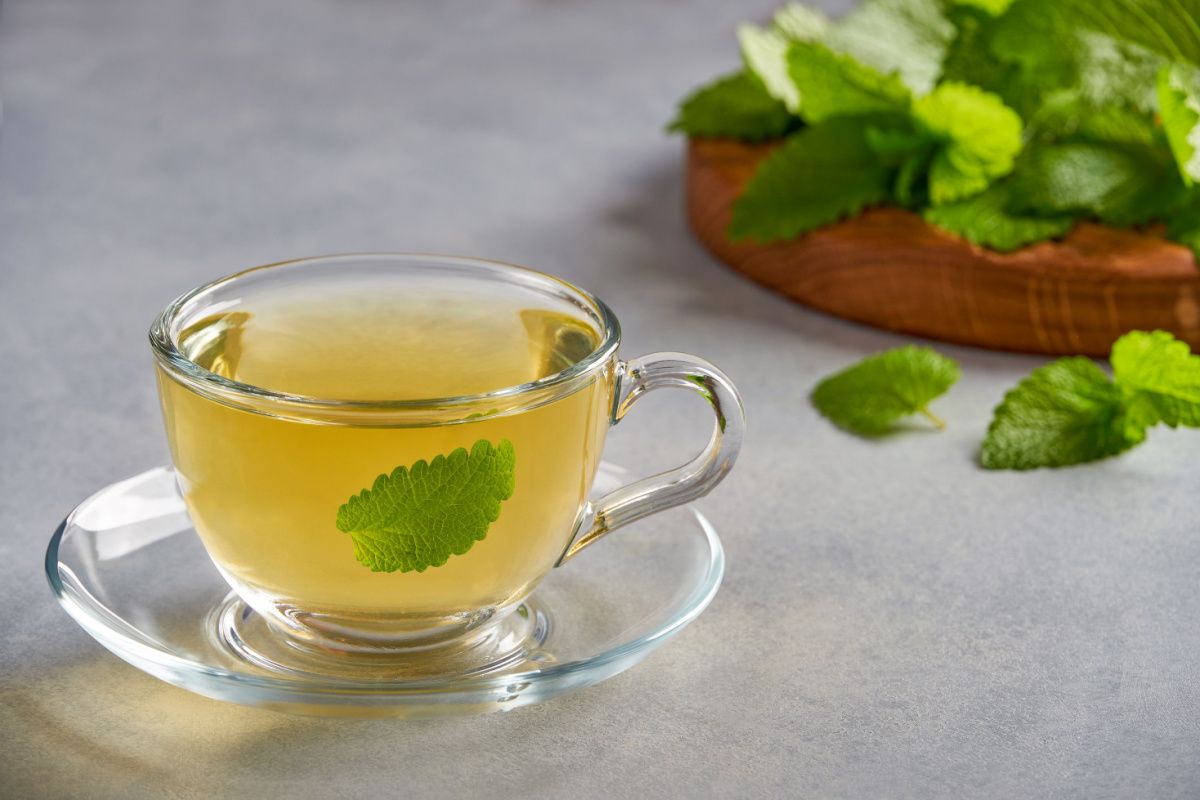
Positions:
{"x": 128, "y": 567}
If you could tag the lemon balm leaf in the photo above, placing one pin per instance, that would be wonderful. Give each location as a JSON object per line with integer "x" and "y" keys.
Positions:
{"x": 909, "y": 37}
{"x": 1170, "y": 27}
{"x": 1044, "y": 46}
{"x": 758, "y": 102}
{"x": 1070, "y": 411}
{"x": 1121, "y": 184}
{"x": 1179, "y": 106}
{"x": 969, "y": 58}
{"x": 871, "y": 395}
{"x": 987, "y": 219}
{"x": 1067, "y": 412}
{"x": 993, "y": 7}
{"x": 419, "y": 516}
{"x": 978, "y": 139}
{"x": 1159, "y": 376}
{"x": 821, "y": 174}
{"x": 736, "y": 105}
{"x": 801, "y": 23}
{"x": 764, "y": 51}
{"x": 1115, "y": 72}
{"x": 833, "y": 85}
{"x": 1184, "y": 226}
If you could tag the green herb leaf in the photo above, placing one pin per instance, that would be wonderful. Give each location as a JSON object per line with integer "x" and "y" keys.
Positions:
{"x": 1179, "y": 104}
{"x": 764, "y": 52}
{"x": 969, "y": 58}
{"x": 1070, "y": 116}
{"x": 992, "y": 7}
{"x": 833, "y": 85}
{"x": 419, "y": 516}
{"x": 1040, "y": 42}
{"x": 978, "y": 139}
{"x": 911, "y": 151}
{"x": 1170, "y": 27}
{"x": 1070, "y": 412}
{"x": 905, "y": 36}
{"x": 819, "y": 175}
{"x": 1046, "y": 49}
{"x": 986, "y": 219}
{"x": 871, "y": 395}
{"x": 1112, "y": 72}
{"x": 1121, "y": 184}
{"x": 1184, "y": 225}
{"x": 1067, "y": 412}
{"x": 737, "y": 106}
{"x": 801, "y": 23}
{"x": 1160, "y": 378}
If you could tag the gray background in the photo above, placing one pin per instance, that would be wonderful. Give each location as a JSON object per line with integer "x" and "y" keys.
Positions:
{"x": 895, "y": 622}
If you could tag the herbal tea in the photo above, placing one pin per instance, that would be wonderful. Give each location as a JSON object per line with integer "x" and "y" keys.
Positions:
{"x": 271, "y": 496}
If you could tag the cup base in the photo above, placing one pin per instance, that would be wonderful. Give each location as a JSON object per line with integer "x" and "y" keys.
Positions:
{"x": 506, "y": 641}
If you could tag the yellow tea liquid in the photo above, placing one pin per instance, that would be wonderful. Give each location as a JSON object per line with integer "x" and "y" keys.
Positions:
{"x": 264, "y": 491}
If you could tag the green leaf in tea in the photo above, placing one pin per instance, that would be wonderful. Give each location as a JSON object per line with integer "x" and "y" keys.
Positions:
{"x": 419, "y": 516}
{"x": 978, "y": 139}
{"x": 819, "y": 175}
{"x": 871, "y": 395}
{"x": 834, "y": 85}
{"x": 736, "y": 105}
{"x": 988, "y": 220}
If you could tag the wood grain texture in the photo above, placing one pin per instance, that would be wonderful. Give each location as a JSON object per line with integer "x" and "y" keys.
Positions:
{"x": 890, "y": 269}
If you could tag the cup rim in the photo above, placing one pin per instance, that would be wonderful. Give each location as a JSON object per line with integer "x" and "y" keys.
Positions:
{"x": 194, "y": 376}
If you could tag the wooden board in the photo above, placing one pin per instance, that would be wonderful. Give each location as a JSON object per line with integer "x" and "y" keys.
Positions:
{"x": 890, "y": 269}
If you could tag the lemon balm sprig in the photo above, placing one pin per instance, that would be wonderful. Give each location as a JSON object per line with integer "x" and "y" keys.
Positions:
{"x": 1072, "y": 411}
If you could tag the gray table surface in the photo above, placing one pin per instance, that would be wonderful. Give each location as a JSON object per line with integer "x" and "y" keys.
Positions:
{"x": 895, "y": 622}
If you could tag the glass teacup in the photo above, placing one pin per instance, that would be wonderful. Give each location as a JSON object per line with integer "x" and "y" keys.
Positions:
{"x": 385, "y": 452}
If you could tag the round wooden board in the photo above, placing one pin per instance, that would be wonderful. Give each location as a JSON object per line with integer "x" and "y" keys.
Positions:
{"x": 890, "y": 269}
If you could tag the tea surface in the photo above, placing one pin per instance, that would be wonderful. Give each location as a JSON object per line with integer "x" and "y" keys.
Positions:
{"x": 415, "y": 343}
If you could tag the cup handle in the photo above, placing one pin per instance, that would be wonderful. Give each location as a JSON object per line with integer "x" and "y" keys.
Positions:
{"x": 694, "y": 479}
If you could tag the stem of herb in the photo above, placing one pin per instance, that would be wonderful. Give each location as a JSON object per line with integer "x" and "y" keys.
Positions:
{"x": 934, "y": 418}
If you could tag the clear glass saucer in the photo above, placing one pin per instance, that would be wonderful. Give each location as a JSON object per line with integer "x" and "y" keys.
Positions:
{"x": 128, "y": 567}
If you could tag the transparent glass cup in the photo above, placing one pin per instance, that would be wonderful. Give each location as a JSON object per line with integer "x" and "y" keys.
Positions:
{"x": 264, "y": 472}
